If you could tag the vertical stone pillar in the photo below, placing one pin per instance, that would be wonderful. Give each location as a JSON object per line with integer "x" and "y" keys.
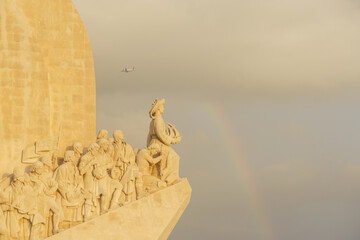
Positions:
{"x": 47, "y": 79}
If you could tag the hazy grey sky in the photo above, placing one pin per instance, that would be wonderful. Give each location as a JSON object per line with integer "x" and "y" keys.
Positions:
{"x": 266, "y": 95}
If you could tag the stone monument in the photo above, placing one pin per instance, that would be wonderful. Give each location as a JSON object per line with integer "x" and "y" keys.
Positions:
{"x": 58, "y": 180}
{"x": 47, "y": 80}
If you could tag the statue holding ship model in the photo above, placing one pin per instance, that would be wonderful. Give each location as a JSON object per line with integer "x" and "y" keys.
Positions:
{"x": 58, "y": 180}
{"x": 47, "y": 200}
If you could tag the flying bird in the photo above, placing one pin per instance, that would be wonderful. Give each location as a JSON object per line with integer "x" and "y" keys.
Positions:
{"x": 128, "y": 69}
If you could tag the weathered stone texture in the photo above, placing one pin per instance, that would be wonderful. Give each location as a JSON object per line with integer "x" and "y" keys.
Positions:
{"x": 47, "y": 79}
{"x": 150, "y": 218}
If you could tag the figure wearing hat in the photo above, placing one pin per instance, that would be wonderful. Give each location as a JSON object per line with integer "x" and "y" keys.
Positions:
{"x": 164, "y": 135}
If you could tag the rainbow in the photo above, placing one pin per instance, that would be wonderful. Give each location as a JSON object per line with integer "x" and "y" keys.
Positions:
{"x": 233, "y": 151}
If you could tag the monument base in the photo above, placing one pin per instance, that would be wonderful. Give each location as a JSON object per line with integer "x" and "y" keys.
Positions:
{"x": 152, "y": 217}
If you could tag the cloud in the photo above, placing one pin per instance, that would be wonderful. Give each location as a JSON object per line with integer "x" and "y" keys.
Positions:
{"x": 236, "y": 46}
{"x": 319, "y": 196}
{"x": 302, "y": 152}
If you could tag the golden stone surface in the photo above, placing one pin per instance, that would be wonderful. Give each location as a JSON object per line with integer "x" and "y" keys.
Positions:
{"x": 47, "y": 79}
{"x": 152, "y": 217}
{"x": 58, "y": 180}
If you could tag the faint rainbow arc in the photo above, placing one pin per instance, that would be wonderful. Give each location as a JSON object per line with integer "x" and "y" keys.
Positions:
{"x": 223, "y": 126}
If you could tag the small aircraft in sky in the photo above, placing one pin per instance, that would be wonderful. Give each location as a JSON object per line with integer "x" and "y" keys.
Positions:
{"x": 128, "y": 69}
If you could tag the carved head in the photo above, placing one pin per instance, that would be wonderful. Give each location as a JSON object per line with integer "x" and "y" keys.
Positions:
{"x": 157, "y": 107}
{"x": 103, "y": 134}
{"x": 154, "y": 148}
{"x": 18, "y": 174}
{"x": 93, "y": 148}
{"x": 47, "y": 161}
{"x": 37, "y": 167}
{"x": 70, "y": 157}
{"x": 78, "y": 148}
{"x": 104, "y": 144}
{"x": 118, "y": 135}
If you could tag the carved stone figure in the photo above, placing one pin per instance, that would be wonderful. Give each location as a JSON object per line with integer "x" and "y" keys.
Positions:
{"x": 102, "y": 180}
{"x": 78, "y": 151}
{"x": 48, "y": 165}
{"x": 4, "y": 235}
{"x": 86, "y": 167}
{"x": 20, "y": 208}
{"x": 102, "y": 165}
{"x": 111, "y": 151}
{"x": 128, "y": 172}
{"x": 146, "y": 160}
{"x": 45, "y": 187}
{"x": 70, "y": 189}
{"x": 159, "y": 133}
{"x": 48, "y": 105}
{"x": 103, "y": 134}
{"x": 55, "y": 196}
{"x": 129, "y": 180}
{"x": 123, "y": 152}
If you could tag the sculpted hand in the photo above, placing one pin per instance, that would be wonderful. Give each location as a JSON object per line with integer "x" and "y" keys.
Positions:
{"x": 53, "y": 184}
{"x": 176, "y": 140}
{"x": 164, "y": 173}
{"x": 70, "y": 196}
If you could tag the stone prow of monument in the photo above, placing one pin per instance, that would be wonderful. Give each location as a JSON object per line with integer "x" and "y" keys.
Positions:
{"x": 152, "y": 217}
{"x": 51, "y": 187}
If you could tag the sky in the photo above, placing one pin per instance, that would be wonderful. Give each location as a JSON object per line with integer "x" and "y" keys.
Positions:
{"x": 265, "y": 95}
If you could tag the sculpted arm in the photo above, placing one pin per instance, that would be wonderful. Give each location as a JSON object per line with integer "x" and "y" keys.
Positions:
{"x": 61, "y": 180}
{"x": 110, "y": 165}
{"x": 85, "y": 165}
{"x": 37, "y": 186}
{"x": 153, "y": 160}
{"x": 5, "y": 199}
{"x": 161, "y": 131}
{"x": 53, "y": 186}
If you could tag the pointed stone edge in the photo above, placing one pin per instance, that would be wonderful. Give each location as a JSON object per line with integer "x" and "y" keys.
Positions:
{"x": 167, "y": 231}
{"x": 172, "y": 223}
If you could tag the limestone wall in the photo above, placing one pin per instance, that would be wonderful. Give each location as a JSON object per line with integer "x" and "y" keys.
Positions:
{"x": 47, "y": 80}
